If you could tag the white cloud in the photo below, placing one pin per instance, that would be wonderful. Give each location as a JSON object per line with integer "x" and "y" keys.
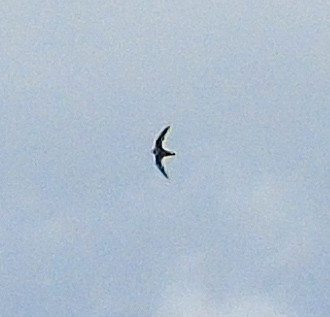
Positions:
{"x": 196, "y": 303}
{"x": 187, "y": 295}
{"x": 255, "y": 306}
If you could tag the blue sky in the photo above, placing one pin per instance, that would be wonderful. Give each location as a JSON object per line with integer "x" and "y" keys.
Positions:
{"x": 90, "y": 227}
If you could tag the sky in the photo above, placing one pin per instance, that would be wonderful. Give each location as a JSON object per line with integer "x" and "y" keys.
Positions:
{"x": 90, "y": 227}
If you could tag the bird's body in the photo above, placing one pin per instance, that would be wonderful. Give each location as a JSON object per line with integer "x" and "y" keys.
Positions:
{"x": 160, "y": 152}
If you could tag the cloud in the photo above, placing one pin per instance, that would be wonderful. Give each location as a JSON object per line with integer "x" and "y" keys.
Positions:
{"x": 187, "y": 295}
{"x": 255, "y": 306}
{"x": 195, "y": 303}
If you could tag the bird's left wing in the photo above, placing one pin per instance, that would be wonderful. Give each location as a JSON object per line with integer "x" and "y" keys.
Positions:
{"x": 160, "y": 166}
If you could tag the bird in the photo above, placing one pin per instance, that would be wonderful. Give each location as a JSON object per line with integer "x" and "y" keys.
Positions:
{"x": 160, "y": 152}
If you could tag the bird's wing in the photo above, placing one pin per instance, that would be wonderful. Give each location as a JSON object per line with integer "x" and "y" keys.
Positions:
{"x": 160, "y": 165}
{"x": 161, "y": 137}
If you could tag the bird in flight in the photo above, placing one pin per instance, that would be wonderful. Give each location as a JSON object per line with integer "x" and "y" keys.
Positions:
{"x": 160, "y": 152}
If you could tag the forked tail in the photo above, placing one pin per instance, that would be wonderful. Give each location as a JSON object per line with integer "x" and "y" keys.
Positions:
{"x": 169, "y": 153}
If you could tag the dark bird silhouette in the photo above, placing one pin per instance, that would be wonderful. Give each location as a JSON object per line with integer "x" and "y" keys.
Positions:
{"x": 160, "y": 152}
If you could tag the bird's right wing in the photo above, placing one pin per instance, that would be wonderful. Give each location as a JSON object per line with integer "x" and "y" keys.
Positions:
{"x": 161, "y": 137}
